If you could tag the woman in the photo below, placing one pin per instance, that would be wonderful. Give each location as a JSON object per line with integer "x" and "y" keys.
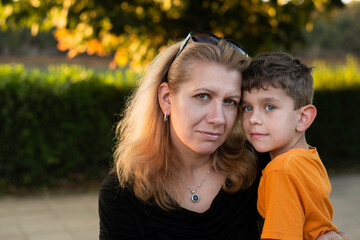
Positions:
{"x": 182, "y": 168}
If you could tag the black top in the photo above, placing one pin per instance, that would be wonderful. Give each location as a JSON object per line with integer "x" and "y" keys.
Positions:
{"x": 123, "y": 216}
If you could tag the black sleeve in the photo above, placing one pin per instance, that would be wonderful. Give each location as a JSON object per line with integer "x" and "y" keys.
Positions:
{"x": 115, "y": 211}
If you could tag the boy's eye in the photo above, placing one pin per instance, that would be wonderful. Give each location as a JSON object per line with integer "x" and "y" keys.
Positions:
{"x": 269, "y": 107}
{"x": 247, "y": 108}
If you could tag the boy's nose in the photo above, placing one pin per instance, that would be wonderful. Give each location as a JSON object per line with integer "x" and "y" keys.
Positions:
{"x": 255, "y": 118}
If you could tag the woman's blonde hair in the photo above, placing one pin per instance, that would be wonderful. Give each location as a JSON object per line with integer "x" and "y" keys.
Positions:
{"x": 145, "y": 159}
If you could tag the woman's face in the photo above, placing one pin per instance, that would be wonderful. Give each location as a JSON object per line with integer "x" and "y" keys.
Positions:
{"x": 204, "y": 109}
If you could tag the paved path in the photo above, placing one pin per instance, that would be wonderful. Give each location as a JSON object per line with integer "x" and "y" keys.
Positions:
{"x": 345, "y": 198}
{"x": 66, "y": 217}
{"x": 74, "y": 217}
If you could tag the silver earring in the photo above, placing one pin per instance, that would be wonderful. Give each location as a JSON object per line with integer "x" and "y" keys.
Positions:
{"x": 165, "y": 116}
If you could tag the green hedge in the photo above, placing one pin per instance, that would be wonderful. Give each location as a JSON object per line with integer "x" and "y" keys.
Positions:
{"x": 336, "y": 129}
{"x": 57, "y": 125}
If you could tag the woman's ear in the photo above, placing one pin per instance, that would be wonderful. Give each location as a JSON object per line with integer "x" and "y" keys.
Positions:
{"x": 164, "y": 98}
{"x": 307, "y": 116}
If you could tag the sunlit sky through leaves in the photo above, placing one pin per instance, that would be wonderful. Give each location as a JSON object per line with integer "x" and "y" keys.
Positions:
{"x": 347, "y": 1}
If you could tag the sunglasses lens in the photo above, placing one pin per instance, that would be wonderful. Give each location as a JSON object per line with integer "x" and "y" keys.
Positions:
{"x": 239, "y": 49}
{"x": 236, "y": 46}
{"x": 205, "y": 38}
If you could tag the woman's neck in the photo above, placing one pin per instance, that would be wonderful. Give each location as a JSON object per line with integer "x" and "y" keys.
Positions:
{"x": 193, "y": 164}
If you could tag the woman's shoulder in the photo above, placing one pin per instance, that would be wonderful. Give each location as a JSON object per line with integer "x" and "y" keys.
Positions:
{"x": 111, "y": 182}
{"x": 111, "y": 190}
{"x": 117, "y": 210}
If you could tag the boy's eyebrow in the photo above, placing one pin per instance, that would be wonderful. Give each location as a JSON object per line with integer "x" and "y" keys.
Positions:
{"x": 270, "y": 99}
{"x": 265, "y": 99}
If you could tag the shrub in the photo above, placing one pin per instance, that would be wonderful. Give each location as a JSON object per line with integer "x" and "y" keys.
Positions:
{"x": 335, "y": 130}
{"x": 57, "y": 124}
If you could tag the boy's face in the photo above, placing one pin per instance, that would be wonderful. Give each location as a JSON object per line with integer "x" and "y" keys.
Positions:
{"x": 269, "y": 120}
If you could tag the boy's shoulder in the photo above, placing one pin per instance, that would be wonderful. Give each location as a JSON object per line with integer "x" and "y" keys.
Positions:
{"x": 294, "y": 160}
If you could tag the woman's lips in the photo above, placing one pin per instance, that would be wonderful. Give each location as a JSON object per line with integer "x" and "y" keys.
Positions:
{"x": 211, "y": 135}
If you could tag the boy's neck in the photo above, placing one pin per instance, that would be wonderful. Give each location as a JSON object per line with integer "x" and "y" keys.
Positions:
{"x": 299, "y": 144}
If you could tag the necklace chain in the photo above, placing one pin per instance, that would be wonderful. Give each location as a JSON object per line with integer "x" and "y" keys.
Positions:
{"x": 195, "y": 197}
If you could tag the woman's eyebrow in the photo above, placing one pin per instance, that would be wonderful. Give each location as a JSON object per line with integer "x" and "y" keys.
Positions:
{"x": 213, "y": 92}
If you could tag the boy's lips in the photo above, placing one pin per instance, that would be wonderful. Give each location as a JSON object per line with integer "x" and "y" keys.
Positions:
{"x": 255, "y": 135}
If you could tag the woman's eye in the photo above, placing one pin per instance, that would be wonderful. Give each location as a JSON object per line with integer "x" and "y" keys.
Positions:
{"x": 231, "y": 102}
{"x": 203, "y": 96}
{"x": 269, "y": 107}
{"x": 247, "y": 108}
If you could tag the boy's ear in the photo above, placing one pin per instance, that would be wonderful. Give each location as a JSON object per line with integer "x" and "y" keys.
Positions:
{"x": 164, "y": 98}
{"x": 307, "y": 116}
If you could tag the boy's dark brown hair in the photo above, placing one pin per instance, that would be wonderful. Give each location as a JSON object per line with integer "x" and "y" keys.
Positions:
{"x": 280, "y": 70}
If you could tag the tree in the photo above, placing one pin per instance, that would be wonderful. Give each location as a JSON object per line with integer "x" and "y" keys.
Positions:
{"x": 335, "y": 37}
{"x": 137, "y": 29}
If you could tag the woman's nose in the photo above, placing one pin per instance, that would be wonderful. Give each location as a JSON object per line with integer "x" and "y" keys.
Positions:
{"x": 216, "y": 114}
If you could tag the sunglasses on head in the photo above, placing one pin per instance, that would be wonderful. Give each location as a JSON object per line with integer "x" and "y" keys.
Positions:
{"x": 203, "y": 37}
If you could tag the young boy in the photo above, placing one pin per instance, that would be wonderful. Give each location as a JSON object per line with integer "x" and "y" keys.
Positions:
{"x": 277, "y": 94}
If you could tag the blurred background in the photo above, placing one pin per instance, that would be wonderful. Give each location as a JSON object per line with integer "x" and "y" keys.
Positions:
{"x": 67, "y": 66}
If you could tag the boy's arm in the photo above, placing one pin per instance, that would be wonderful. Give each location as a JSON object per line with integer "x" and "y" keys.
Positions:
{"x": 281, "y": 200}
{"x": 280, "y": 203}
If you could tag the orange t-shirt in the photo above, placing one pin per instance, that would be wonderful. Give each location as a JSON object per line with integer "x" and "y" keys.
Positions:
{"x": 294, "y": 196}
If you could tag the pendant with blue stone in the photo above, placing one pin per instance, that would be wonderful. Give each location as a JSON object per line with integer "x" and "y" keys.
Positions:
{"x": 195, "y": 198}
